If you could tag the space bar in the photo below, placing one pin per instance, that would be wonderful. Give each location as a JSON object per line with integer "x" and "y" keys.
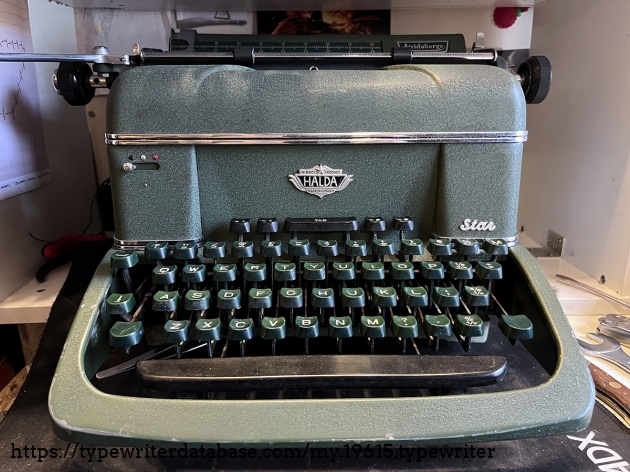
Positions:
{"x": 321, "y": 372}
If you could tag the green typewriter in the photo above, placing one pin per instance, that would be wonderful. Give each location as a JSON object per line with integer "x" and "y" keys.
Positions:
{"x": 316, "y": 242}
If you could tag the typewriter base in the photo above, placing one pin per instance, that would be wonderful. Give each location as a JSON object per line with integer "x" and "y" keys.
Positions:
{"x": 562, "y": 404}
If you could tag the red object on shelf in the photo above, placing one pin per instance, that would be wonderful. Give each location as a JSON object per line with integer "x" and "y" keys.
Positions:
{"x": 66, "y": 244}
{"x": 504, "y": 17}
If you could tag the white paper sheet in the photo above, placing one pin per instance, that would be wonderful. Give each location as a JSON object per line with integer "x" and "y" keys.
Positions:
{"x": 23, "y": 160}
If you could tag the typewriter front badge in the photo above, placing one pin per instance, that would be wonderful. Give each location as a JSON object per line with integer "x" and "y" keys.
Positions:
{"x": 320, "y": 180}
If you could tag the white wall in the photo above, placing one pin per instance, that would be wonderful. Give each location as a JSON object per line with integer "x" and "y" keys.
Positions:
{"x": 576, "y": 177}
{"x": 64, "y": 206}
{"x": 466, "y": 21}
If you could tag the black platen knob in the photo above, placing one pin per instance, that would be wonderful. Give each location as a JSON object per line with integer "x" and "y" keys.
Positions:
{"x": 72, "y": 81}
{"x": 535, "y": 73}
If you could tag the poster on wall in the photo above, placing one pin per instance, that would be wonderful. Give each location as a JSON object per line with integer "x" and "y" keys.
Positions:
{"x": 324, "y": 22}
{"x": 23, "y": 160}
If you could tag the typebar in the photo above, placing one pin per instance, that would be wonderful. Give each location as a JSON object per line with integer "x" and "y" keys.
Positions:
{"x": 321, "y": 372}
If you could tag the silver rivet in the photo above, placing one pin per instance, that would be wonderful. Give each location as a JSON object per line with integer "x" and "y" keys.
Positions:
{"x": 128, "y": 167}
{"x": 146, "y": 185}
{"x": 143, "y": 157}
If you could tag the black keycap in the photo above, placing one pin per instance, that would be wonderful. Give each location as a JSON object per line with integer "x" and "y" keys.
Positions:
{"x": 240, "y": 226}
{"x": 320, "y": 225}
{"x": 267, "y": 225}
{"x": 402, "y": 223}
{"x": 374, "y": 225}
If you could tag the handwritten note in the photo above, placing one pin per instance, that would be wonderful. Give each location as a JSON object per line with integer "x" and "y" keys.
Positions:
{"x": 23, "y": 160}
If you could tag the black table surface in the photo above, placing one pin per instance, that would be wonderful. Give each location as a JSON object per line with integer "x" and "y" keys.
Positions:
{"x": 28, "y": 442}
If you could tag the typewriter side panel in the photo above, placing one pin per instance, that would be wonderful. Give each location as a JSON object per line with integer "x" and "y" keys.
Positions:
{"x": 155, "y": 198}
{"x": 478, "y": 191}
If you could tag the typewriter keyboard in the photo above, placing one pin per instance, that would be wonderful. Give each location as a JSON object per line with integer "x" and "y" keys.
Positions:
{"x": 308, "y": 314}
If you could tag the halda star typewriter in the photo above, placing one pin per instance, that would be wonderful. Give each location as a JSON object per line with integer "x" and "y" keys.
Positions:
{"x": 315, "y": 244}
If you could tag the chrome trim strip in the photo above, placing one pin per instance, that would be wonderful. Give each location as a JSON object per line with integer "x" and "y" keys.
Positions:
{"x": 511, "y": 241}
{"x": 316, "y": 138}
{"x": 138, "y": 245}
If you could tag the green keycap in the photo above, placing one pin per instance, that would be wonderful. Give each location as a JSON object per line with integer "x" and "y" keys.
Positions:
{"x": 467, "y": 247}
{"x": 468, "y": 325}
{"x": 314, "y": 271}
{"x": 164, "y": 274}
{"x": 176, "y": 331}
{"x": 327, "y": 247}
{"x": 229, "y": 299}
{"x": 489, "y": 270}
{"x": 401, "y": 271}
{"x": 476, "y": 296}
{"x": 284, "y": 271}
{"x": 271, "y": 248}
{"x": 206, "y": 329}
{"x": 299, "y": 247}
{"x": 194, "y": 273}
{"x": 404, "y": 326}
{"x": 123, "y": 259}
{"x": 185, "y": 250}
{"x": 241, "y": 329}
{"x": 415, "y": 296}
{"x": 412, "y": 247}
{"x": 432, "y": 270}
{"x": 260, "y": 298}
{"x": 440, "y": 247}
{"x": 291, "y": 298}
{"x": 343, "y": 271}
{"x": 197, "y": 300}
{"x": 382, "y": 247}
{"x": 120, "y": 303}
{"x": 306, "y": 327}
{"x": 165, "y": 301}
{"x": 352, "y": 297}
{"x": 340, "y": 327}
{"x": 356, "y": 248}
{"x": 372, "y": 326}
{"x": 372, "y": 270}
{"x": 126, "y": 333}
{"x": 255, "y": 272}
{"x": 214, "y": 250}
{"x": 437, "y": 325}
{"x": 446, "y": 297}
{"x": 224, "y": 273}
{"x": 384, "y": 296}
{"x": 516, "y": 327}
{"x": 273, "y": 328}
{"x": 242, "y": 249}
{"x": 323, "y": 297}
{"x": 462, "y": 270}
{"x": 156, "y": 250}
{"x": 495, "y": 247}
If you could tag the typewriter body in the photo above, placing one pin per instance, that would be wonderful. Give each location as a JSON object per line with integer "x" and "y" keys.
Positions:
{"x": 323, "y": 254}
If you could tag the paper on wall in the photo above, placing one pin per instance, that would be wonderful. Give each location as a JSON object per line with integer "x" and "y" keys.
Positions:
{"x": 23, "y": 159}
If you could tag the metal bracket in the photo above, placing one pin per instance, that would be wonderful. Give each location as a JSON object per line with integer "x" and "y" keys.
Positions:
{"x": 554, "y": 247}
